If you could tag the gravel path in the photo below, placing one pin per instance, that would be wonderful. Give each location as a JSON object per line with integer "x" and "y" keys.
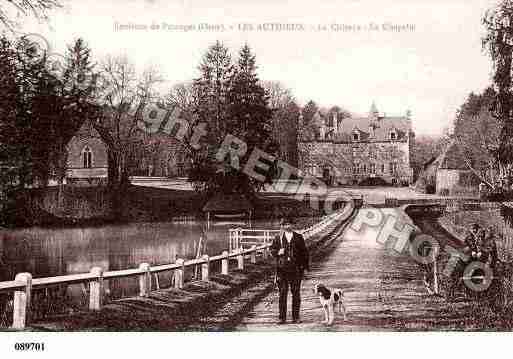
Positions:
{"x": 384, "y": 292}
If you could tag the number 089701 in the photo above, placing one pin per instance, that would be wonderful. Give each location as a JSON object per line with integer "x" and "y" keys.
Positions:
{"x": 39, "y": 347}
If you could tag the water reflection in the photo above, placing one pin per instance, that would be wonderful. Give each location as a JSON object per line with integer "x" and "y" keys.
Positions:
{"x": 49, "y": 252}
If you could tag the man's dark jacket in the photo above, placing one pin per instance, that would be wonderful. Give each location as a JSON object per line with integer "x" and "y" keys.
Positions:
{"x": 295, "y": 259}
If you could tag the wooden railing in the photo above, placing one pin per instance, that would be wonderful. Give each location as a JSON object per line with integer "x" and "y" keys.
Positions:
{"x": 23, "y": 284}
{"x": 245, "y": 238}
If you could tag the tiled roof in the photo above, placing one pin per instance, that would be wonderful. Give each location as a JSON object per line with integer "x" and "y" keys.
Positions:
{"x": 87, "y": 130}
{"x": 383, "y": 126}
{"x": 450, "y": 159}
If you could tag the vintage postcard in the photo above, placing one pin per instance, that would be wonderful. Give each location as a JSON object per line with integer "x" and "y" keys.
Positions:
{"x": 254, "y": 166}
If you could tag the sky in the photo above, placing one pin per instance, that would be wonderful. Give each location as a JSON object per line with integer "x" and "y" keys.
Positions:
{"x": 429, "y": 67}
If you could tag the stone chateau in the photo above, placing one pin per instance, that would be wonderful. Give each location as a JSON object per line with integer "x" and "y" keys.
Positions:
{"x": 359, "y": 150}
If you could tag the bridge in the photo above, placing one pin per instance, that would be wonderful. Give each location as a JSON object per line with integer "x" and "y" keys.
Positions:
{"x": 384, "y": 289}
{"x": 235, "y": 274}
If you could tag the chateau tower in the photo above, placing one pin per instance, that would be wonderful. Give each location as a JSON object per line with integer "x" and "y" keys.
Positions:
{"x": 374, "y": 113}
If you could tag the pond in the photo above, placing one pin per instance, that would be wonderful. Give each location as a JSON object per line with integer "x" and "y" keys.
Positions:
{"x": 46, "y": 252}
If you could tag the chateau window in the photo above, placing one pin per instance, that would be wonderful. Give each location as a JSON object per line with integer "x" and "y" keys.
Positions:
{"x": 364, "y": 168}
{"x": 356, "y": 136}
{"x": 356, "y": 168}
{"x": 87, "y": 156}
{"x": 393, "y": 168}
{"x": 393, "y": 135}
{"x": 372, "y": 168}
{"x": 382, "y": 168}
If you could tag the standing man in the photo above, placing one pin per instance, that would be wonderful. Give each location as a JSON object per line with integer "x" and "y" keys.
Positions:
{"x": 292, "y": 259}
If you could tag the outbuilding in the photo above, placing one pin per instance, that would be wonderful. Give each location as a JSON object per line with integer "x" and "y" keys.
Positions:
{"x": 448, "y": 174}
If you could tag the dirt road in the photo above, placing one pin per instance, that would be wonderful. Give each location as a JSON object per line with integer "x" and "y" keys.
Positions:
{"x": 383, "y": 292}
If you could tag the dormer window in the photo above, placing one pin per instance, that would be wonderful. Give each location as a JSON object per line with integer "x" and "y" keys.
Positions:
{"x": 356, "y": 136}
{"x": 393, "y": 135}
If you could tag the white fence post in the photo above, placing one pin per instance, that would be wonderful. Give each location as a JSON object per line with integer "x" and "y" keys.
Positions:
{"x": 144, "y": 280}
{"x": 240, "y": 260}
{"x": 225, "y": 263}
{"x": 96, "y": 289}
{"x": 205, "y": 268}
{"x": 435, "y": 272}
{"x": 265, "y": 253}
{"x": 253, "y": 255}
{"x": 179, "y": 274}
{"x": 22, "y": 299}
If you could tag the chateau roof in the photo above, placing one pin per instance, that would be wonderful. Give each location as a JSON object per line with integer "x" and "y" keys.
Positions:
{"x": 382, "y": 128}
{"x": 87, "y": 130}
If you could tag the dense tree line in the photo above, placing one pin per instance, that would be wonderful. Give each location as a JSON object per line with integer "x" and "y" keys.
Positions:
{"x": 227, "y": 95}
{"x": 40, "y": 109}
{"x": 43, "y": 105}
{"x": 498, "y": 44}
{"x": 230, "y": 99}
{"x": 477, "y": 133}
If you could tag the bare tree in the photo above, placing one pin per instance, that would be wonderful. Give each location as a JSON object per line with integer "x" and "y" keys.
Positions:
{"x": 181, "y": 96}
{"x": 181, "y": 99}
{"x": 285, "y": 120}
{"x": 478, "y": 134}
{"x": 37, "y": 8}
{"x": 123, "y": 95}
{"x": 279, "y": 95}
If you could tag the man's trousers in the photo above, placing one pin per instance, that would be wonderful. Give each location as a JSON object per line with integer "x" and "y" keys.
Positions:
{"x": 286, "y": 280}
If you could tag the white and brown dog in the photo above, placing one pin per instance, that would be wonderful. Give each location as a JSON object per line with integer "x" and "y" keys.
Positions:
{"x": 330, "y": 298}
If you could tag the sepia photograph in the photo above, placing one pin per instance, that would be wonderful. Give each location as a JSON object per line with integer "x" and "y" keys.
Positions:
{"x": 189, "y": 167}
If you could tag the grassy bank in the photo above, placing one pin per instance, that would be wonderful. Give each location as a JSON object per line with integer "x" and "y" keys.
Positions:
{"x": 95, "y": 206}
{"x": 458, "y": 224}
{"x": 492, "y": 306}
